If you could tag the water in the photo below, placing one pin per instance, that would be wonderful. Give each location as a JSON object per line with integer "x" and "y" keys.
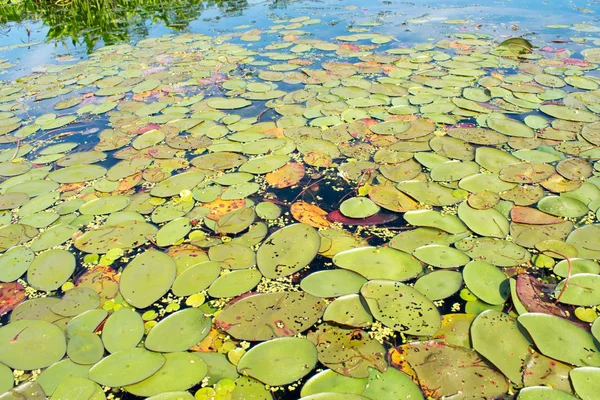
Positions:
{"x": 76, "y": 29}
{"x": 40, "y": 39}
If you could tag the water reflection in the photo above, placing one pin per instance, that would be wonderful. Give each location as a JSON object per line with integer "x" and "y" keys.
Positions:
{"x": 85, "y": 22}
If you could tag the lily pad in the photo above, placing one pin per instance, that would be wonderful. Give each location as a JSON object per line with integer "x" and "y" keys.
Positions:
{"x": 568, "y": 342}
{"x": 196, "y": 278}
{"x": 181, "y": 371}
{"x": 19, "y": 337}
{"x": 441, "y": 256}
{"x": 269, "y": 315}
{"x": 124, "y": 235}
{"x": 349, "y": 352}
{"x": 585, "y": 381}
{"x": 147, "y": 278}
{"x": 379, "y": 263}
{"x": 359, "y": 207}
{"x": 49, "y": 270}
{"x": 179, "y": 331}
{"x": 332, "y": 283}
{"x": 439, "y": 285}
{"x": 486, "y": 282}
{"x": 122, "y": 330}
{"x": 14, "y": 263}
{"x": 279, "y": 361}
{"x": 444, "y": 370}
{"x": 496, "y": 336}
{"x": 288, "y": 250}
{"x": 401, "y": 307}
{"x": 126, "y": 367}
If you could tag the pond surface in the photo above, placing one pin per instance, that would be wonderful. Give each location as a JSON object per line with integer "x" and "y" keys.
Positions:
{"x": 284, "y": 200}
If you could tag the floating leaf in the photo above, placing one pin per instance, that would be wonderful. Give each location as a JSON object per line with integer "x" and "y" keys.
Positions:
{"x": 270, "y": 315}
{"x": 496, "y": 336}
{"x": 444, "y": 370}
{"x": 19, "y": 337}
{"x": 126, "y": 367}
{"x": 147, "y": 278}
{"x": 279, "y": 361}
{"x": 348, "y": 351}
{"x": 568, "y": 342}
{"x": 401, "y": 307}
{"x": 181, "y": 371}
{"x": 379, "y": 263}
{"x": 288, "y": 250}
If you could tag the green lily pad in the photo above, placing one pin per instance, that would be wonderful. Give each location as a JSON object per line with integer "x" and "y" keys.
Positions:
{"x": 12, "y": 200}
{"x": 279, "y": 361}
{"x": 489, "y": 223}
{"x": 74, "y": 388}
{"x": 122, "y": 330}
{"x": 332, "y": 283}
{"x": 179, "y": 331}
{"x": 568, "y": 342}
{"x": 233, "y": 255}
{"x": 349, "y": 310}
{"x": 583, "y": 290}
{"x": 541, "y": 370}
{"x": 235, "y": 221}
{"x": 543, "y": 393}
{"x": 439, "y": 285}
{"x": 126, "y": 367}
{"x": 379, "y": 263}
{"x": 329, "y": 381}
{"x": 227, "y": 103}
{"x": 104, "y": 205}
{"x": 444, "y": 370}
{"x": 173, "y": 396}
{"x": 268, "y": 211}
{"x": 562, "y": 206}
{"x": 585, "y": 240}
{"x": 196, "y": 278}
{"x": 433, "y": 219}
{"x": 85, "y": 348}
{"x": 77, "y": 173}
{"x": 568, "y": 113}
{"x": 269, "y": 315}
{"x": 578, "y": 266}
{"x": 87, "y": 321}
{"x": 14, "y": 168}
{"x": 76, "y": 301}
{"x": 359, "y": 207}
{"x": 14, "y": 263}
{"x": 264, "y": 164}
{"x": 124, "y": 235}
{"x": 350, "y": 352}
{"x": 18, "y": 338}
{"x": 585, "y": 381}
{"x": 441, "y": 256}
{"x": 173, "y": 231}
{"x": 486, "y": 282}
{"x": 15, "y": 234}
{"x": 52, "y": 376}
{"x": 288, "y": 250}
{"x": 240, "y": 191}
{"x": 496, "y": 336}
{"x": 174, "y": 185}
{"x": 147, "y": 278}
{"x": 390, "y": 385}
{"x": 235, "y": 283}
{"x": 49, "y": 270}
{"x": 401, "y": 307}
{"x": 431, "y": 193}
{"x": 181, "y": 371}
